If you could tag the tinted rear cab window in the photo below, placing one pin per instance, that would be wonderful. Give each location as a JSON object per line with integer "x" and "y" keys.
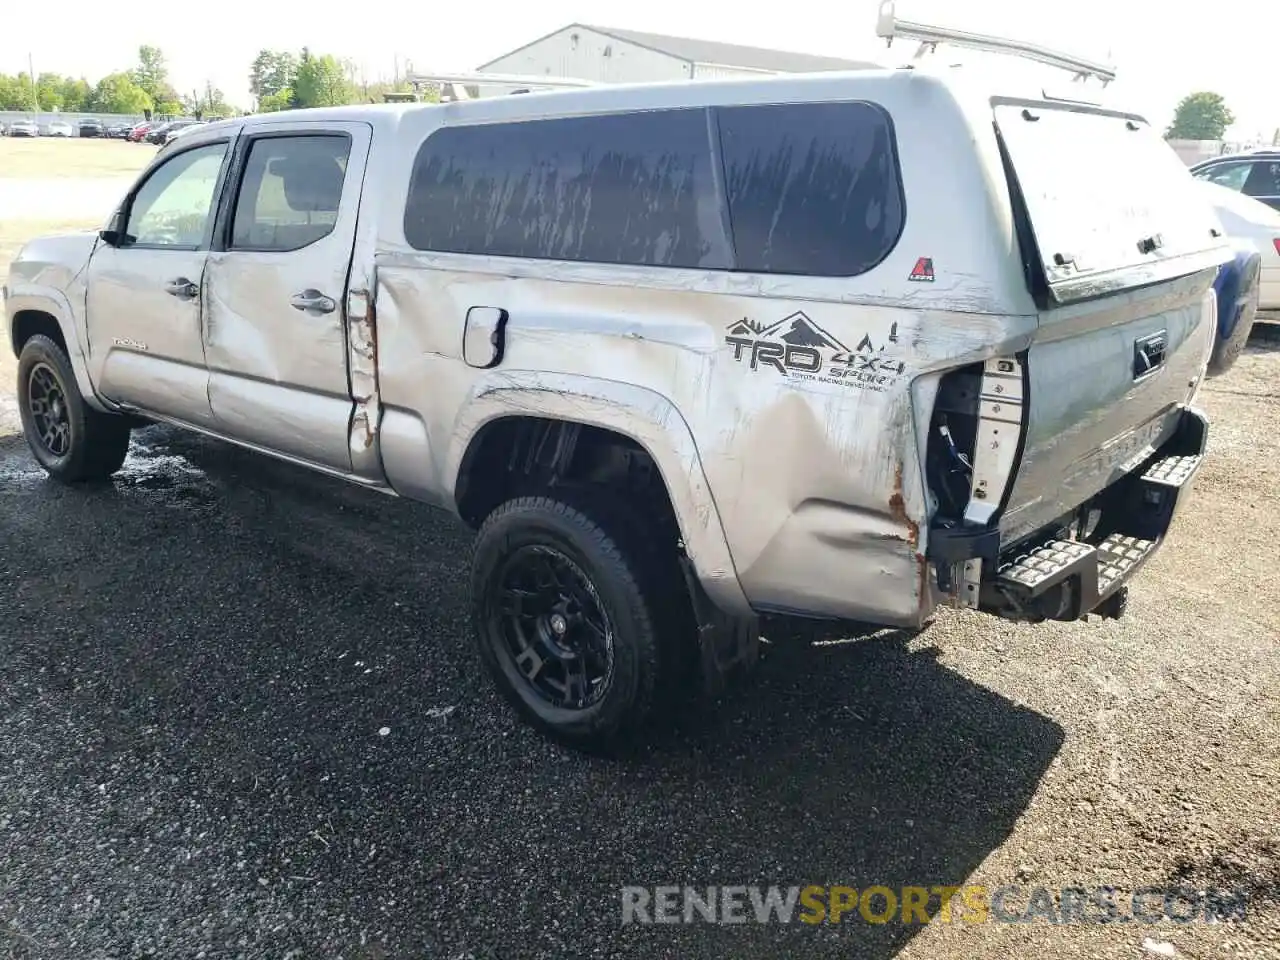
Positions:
{"x": 810, "y": 189}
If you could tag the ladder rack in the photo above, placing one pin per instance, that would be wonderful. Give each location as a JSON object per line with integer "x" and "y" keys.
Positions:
{"x": 454, "y": 85}
{"x": 890, "y": 28}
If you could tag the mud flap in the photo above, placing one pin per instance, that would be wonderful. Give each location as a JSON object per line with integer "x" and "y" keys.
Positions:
{"x": 727, "y": 646}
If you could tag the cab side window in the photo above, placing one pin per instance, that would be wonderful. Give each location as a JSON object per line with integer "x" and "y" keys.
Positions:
{"x": 291, "y": 192}
{"x": 174, "y": 205}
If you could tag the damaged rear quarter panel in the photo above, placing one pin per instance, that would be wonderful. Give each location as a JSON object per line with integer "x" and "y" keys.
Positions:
{"x": 807, "y": 398}
{"x": 803, "y": 450}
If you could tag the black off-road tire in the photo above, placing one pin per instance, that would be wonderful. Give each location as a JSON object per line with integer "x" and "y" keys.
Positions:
{"x": 96, "y": 442}
{"x": 631, "y": 590}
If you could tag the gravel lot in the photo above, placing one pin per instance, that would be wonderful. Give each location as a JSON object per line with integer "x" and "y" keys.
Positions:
{"x": 199, "y": 660}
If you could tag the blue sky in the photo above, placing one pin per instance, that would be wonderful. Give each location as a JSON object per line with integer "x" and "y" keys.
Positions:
{"x": 1162, "y": 50}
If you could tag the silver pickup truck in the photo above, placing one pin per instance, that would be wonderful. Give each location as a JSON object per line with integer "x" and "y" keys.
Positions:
{"x": 839, "y": 346}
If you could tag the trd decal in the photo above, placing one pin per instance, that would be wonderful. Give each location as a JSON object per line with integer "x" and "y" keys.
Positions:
{"x": 798, "y": 348}
{"x": 922, "y": 272}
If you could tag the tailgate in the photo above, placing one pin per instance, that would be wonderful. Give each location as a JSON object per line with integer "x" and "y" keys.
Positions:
{"x": 1121, "y": 252}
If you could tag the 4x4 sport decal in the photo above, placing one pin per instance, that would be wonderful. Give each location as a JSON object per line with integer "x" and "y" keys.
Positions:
{"x": 798, "y": 348}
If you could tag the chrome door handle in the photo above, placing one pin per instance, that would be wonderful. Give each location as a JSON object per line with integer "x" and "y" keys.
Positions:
{"x": 313, "y": 301}
{"x": 182, "y": 288}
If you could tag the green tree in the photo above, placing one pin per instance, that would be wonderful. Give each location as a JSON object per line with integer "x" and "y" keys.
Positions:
{"x": 272, "y": 73}
{"x": 76, "y": 94}
{"x": 15, "y": 92}
{"x": 209, "y": 103}
{"x": 23, "y": 93}
{"x": 274, "y": 102}
{"x": 119, "y": 93}
{"x": 215, "y": 104}
{"x": 376, "y": 92}
{"x": 49, "y": 91}
{"x": 1200, "y": 116}
{"x": 152, "y": 73}
{"x": 321, "y": 82}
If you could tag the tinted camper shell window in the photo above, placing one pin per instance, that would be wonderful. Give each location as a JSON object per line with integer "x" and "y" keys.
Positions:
{"x": 810, "y": 189}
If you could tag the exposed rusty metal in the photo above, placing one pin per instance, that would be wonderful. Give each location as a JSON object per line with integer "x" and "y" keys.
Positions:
{"x": 922, "y": 581}
{"x": 898, "y": 507}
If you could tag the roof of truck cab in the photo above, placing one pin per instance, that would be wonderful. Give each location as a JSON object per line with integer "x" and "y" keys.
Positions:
{"x": 587, "y": 99}
{"x": 800, "y": 87}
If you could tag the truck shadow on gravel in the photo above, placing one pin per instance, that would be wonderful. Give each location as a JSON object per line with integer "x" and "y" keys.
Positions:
{"x": 251, "y": 708}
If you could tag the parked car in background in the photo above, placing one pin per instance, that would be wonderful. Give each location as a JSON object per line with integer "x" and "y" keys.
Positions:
{"x": 119, "y": 131}
{"x": 1248, "y": 219}
{"x": 24, "y": 128}
{"x": 138, "y": 132}
{"x": 1236, "y": 288}
{"x": 155, "y": 133}
{"x": 1255, "y": 174}
{"x": 179, "y": 130}
{"x": 59, "y": 128}
{"x": 91, "y": 127}
{"x": 159, "y": 135}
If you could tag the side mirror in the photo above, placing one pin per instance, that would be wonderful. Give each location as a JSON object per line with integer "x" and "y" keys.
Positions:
{"x": 113, "y": 233}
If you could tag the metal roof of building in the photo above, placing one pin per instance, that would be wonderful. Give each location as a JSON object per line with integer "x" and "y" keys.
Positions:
{"x": 713, "y": 52}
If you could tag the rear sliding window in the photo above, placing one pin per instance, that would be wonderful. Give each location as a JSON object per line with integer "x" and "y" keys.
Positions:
{"x": 798, "y": 189}
{"x": 1103, "y": 193}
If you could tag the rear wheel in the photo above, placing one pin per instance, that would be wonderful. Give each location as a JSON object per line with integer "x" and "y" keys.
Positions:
{"x": 566, "y": 616}
{"x": 71, "y": 440}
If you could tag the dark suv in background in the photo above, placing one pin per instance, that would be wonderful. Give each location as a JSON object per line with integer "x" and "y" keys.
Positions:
{"x": 1255, "y": 174}
{"x": 158, "y": 133}
{"x": 91, "y": 127}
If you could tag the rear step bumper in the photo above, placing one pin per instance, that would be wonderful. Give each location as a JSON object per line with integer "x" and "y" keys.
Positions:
{"x": 1068, "y": 579}
{"x": 1055, "y": 576}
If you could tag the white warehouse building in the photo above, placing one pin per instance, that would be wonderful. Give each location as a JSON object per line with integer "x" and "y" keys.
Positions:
{"x": 607, "y": 55}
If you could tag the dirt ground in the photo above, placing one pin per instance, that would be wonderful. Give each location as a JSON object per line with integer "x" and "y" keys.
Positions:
{"x": 1144, "y": 751}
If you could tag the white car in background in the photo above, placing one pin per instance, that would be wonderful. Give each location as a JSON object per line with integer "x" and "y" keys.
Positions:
{"x": 59, "y": 128}
{"x": 1247, "y": 218}
{"x": 23, "y": 127}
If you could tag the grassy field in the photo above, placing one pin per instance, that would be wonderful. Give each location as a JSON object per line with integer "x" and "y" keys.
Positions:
{"x": 50, "y": 157}
{"x": 13, "y": 234}
{"x": 41, "y": 161}
{"x": 47, "y": 159}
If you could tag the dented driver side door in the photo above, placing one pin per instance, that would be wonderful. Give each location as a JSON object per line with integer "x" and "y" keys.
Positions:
{"x": 275, "y": 324}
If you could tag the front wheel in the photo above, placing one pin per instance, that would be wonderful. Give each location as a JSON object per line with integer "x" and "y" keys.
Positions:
{"x": 71, "y": 440}
{"x": 564, "y": 615}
